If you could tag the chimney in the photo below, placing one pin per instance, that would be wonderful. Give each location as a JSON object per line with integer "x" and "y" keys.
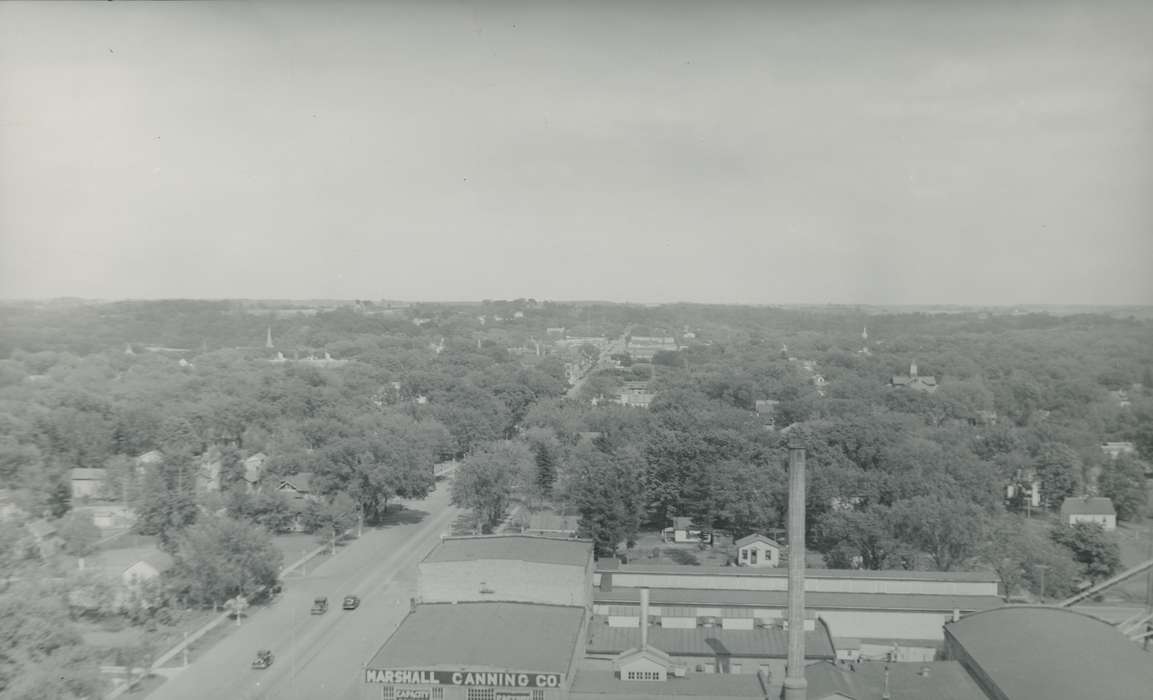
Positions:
{"x": 795, "y": 683}
{"x": 885, "y": 694}
{"x": 644, "y": 618}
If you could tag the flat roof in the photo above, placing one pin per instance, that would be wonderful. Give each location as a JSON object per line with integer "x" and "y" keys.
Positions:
{"x": 813, "y": 599}
{"x": 456, "y": 636}
{"x": 542, "y": 550}
{"x": 893, "y": 575}
{"x": 768, "y": 642}
{"x": 938, "y": 680}
{"x": 1036, "y": 652}
{"x": 604, "y": 685}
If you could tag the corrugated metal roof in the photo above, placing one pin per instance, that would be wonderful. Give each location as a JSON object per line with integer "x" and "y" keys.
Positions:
{"x": 1033, "y": 652}
{"x": 668, "y": 597}
{"x": 769, "y": 642}
{"x": 511, "y": 636}
{"x": 679, "y": 570}
{"x": 542, "y": 550}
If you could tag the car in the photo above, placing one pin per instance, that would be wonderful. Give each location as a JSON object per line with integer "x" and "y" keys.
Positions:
{"x": 320, "y": 606}
{"x": 351, "y": 602}
{"x": 263, "y": 659}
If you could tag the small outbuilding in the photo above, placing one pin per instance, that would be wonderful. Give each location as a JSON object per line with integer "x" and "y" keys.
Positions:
{"x": 1089, "y": 509}
{"x": 758, "y": 550}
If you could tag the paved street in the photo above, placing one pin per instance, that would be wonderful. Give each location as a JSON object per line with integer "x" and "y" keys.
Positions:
{"x": 321, "y": 656}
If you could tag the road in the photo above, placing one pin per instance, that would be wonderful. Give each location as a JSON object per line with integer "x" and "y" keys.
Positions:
{"x": 320, "y": 656}
{"x": 616, "y": 346}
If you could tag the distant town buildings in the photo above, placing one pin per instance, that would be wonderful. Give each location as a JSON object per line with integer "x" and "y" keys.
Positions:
{"x": 1116, "y": 449}
{"x": 643, "y": 348}
{"x": 636, "y": 394}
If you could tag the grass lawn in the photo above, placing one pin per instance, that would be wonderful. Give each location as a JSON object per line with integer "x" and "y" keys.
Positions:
{"x": 1134, "y": 540}
{"x": 295, "y": 545}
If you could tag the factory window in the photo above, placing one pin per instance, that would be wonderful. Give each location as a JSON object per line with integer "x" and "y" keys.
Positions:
{"x": 481, "y": 694}
{"x": 735, "y": 668}
{"x": 537, "y": 693}
{"x": 642, "y": 676}
{"x": 386, "y": 692}
{"x": 438, "y": 694}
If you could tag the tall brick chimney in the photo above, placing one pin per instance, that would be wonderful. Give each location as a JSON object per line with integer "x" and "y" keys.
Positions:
{"x": 795, "y": 683}
{"x": 644, "y": 618}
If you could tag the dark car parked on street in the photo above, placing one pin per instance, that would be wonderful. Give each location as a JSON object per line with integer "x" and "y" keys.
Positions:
{"x": 351, "y": 602}
{"x": 263, "y": 659}
{"x": 320, "y": 606}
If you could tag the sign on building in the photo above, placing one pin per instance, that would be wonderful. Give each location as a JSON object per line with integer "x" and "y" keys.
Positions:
{"x": 503, "y": 679}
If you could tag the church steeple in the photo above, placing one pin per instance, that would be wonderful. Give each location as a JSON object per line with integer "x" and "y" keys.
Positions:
{"x": 913, "y": 369}
{"x": 268, "y": 343}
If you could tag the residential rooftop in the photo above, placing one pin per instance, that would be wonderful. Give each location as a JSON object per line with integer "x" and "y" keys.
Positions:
{"x": 908, "y": 602}
{"x": 1036, "y": 652}
{"x": 542, "y": 550}
{"x": 767, "y": 643}
{"x": 1087, "y": 505}
{"x": 512, "y": 636}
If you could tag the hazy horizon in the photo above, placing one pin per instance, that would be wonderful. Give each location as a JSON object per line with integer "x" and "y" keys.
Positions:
{"x": 897, "y": 154}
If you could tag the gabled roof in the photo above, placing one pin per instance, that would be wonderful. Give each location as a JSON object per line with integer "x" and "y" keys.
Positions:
{"x": 161, "y": 561}
{"x": 89, "y": 474}
{"x": 151, "y": 457}
{"x": 1087, "y": 505}
{"x": 298, "y": 482}
{"x": 682, "y": 523}
{"x": 757, "y": 537}
{"x": 648, "y": 652}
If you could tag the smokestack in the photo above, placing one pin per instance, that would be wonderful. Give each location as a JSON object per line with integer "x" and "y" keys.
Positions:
{"x": 644, "y": 617}
{"x": 795, "y": 683}
{"x": 885, "y": 695}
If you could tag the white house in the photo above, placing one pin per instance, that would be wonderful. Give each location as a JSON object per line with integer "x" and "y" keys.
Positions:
{"x": 758, "y": 550}
{"x": 147, "y": 567}
{"x": 1116, "y": 449}
{"x": 683, "y": 530}
{"x": 88, "y": 483}
{"x": 1089, "y": 509}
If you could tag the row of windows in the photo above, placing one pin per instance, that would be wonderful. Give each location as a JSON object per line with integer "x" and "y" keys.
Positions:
{"x": 643, "y": 676}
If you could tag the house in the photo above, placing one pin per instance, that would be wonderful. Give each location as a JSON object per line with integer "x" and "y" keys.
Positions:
{"x": 758, "y": 550}
{"x": 1089, "y": 509}
{"x": 44, "y": 537}
{"x": 636, "y": 394}
{"x": 767, "y": 410}
{"x": 915, "y": 381}
{"x": 1028, "y": 490}
{"x": 146, "y": 568}
{"x": 683, "y": 530}
{"x": 109, "y": 516}
{"x": 88, "y": 483}
{"x": 208, "y": 475}
{"x": 1116, "y": 449}
{"x": 298, "y": 487}
{"x": 254, "y": 470}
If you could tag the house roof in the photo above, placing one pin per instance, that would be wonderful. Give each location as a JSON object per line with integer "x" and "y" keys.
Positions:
{"x": 541, "y": 550}
{"x": 604, "y": 685}
{"x": 254, "y": 467}
{"x": 1034, "y": 652}
{"x": 682, "y": 523}
{"x": 119, "y": 560}
{"x": 510, "y": 636}
{"x": 89, "y": 474}
{"x": 814, "y": 600}
{"x": 648, "y": 652}
{"x": 767, "y": 642}
{"x": 756, "y": 537}
{"x": 150, "y": 457}
{"x": 1087, "y": 505}
{"x": 161, "y": 561}
{"x": 942, "y": 680}
{"x": 679, "y": 570}
{"x": 299, "y": 482}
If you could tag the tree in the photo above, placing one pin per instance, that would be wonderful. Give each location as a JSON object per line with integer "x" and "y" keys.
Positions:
{"x": 867, "y": 533}
{"x": 332, "y": 517}
{"x": 948, "y": 529}
{"x": 487, "y": 478}
{"x": 1092, "y": 547}
{"x": 270, "y": 510}
{"x": 546, "y": 450}
{"x": 1123, "y": 481}
{"x": 79, "y": 533}
{"x": 1059, "y": 469}
{"x": 220, "y": 557}
{"x": 1021, "y": 555}
{"x": 608, "y": 491}
{"x": 167, "y": 501}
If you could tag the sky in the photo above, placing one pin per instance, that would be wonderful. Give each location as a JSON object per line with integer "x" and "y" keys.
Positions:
{"x": 885, "y": 152}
